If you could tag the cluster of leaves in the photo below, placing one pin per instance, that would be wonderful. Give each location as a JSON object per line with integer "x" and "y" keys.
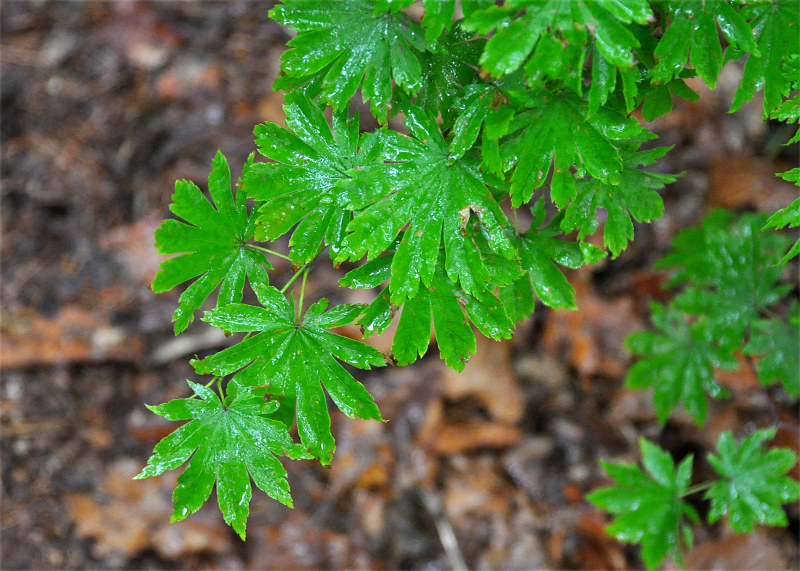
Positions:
{"x": 516, "y": 145}
{"x": 730, "y": 305}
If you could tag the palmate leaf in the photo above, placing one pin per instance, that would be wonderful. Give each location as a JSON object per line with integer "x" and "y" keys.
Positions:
{"x": 522, "y": 24}
{"x": 438, "y": 197}
{"x": 651, "y": 511}
{"x": 228, "y": 443}
{"x": 692, "y": 35}
{"x": 634, "y": 197}
{"x": 307, "y": 185}
{"x": 678, "y": 362}
{"x": 451, "y": 309}
{"x": 776, "y": 341}
{"x": 540, "y": 251}
{"x": 211, "y": 241}
{"x": 777, "y": 37}
{"x": 557, "y": 131}
{"x": 733, "y": 268}
{"x": 297, "y": 359}
{"x": 754, "y": 484}
{"x": 342, "y": 45}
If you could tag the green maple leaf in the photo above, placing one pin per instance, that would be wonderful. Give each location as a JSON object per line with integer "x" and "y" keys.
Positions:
{"x": 556, "y": 130}
{"x": 450, "y": 308}
{"x": 212, "y": 242}
{"x": 522, "y": 25}
{"x": 296, "y": 359}
{"x": 307, "y": 186}
{"x": 777, "y": 37}
{"x": 342, "y": 45}
{"x": 776, "y": 342}
{"x": 539, "y": 251}
{"x": 789, "y": 216}
{"x": 227, "y": 442}
{"x": 734, "y": 271}
{"x": 440, "y": 198}
{"x": 448, "y": 67}
{"x": 693, "y": 35}
{"x": 651, "y": 511}
{"x": 679, "y": 362}
{"x": 633, "y": 197}
{"x": 754, "y": 484}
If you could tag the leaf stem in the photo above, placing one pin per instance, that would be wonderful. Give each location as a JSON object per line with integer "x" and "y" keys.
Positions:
{"x": 702, "y": 487}
{"x": 266, "y": 251}
{"x": 293, "y": 278}
{"x": 302, "y": 294}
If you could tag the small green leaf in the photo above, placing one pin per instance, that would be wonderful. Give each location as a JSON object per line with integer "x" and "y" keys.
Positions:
{"x": 789, "y": 216}
{"x": 776, "y": 342}
{"x": 754, "y": 484}
{"x": 212, "y": 244}
{"x": 227, "y": 443}
{"x": 648, "y": 506}
{"x": 296, "y": 360}
{"x": 438, "y": 16}
{"x": 678, "y": 362}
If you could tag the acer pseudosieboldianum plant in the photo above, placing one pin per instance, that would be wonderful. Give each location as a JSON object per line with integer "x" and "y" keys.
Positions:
{"x": 515, "y": 106}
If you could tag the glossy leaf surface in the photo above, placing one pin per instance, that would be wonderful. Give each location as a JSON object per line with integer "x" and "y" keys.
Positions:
{"x": 297, "y": 359}
{"x": 227, "y": 443}
{"x": 212, "y": 243}
{"x": 754, "y": 483}
{"x": 648, "y": 505}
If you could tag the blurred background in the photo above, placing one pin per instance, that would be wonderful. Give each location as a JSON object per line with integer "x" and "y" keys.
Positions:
{"x": 104, "y": 105}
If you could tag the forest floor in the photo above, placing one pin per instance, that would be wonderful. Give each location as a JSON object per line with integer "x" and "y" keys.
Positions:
{"x": 104, "y": 106}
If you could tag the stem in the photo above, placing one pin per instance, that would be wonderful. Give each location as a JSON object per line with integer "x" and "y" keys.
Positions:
{"x": 266, "y": 251}
{"x": 302, "y": 294}
{"x": 294, "y": 277}
{"x": 516, "y": 222}
{"x": 697, "y": 488}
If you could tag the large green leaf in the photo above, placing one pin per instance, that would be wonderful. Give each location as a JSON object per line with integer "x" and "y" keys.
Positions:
{"x": 777, "y": 33}
{"x": 227, "y": 442}
{"x": 212, "y": 242}
{"x": 296, "y": 359}
{"x": 733, "y": 269}
{"x": 522, "y": 24}
{"x": 540, "y": 250}
{"x": 634, "y": 197}
{"x": 692, "y": 35}
{"x": 649, "y": 505}
{"x": 307, "y": 185}
{"x": 442, "y": 201}
{"x": 557, "y": 131}
{"x": 754, "y": 484}
{"x": 678, "y": 362}
{"x": 342, "y": 45}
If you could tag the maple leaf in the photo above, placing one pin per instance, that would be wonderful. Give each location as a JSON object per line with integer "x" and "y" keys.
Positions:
{"x": 556, "y": 130}
{"x": 733, "y": 270}
{"x": 650, "y": 508}
{"x": 227, "y": 442}
{"x": 678, "y": 362}
{"x": 777, "y": 35}
{"x": 438, "y": 197}
{"x": 754, "y": 484}
{"x": 692, "y": 35}
{"x": 633, "y": 197}
{"x": 342, "y": 45}
{"x": 296, "y": 359}
{"x": 307, "y": 186}
{"x": 539, "y": 252}
{"x": 522, "y": 25}
{"x": 212, "y": 242}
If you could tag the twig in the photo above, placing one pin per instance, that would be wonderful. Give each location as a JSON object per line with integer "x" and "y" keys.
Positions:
{"x": 444, "y": 528}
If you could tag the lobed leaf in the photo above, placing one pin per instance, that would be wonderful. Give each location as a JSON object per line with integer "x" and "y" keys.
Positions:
{"x": 227, "y": 443}
{"x": 211, "y": 242}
